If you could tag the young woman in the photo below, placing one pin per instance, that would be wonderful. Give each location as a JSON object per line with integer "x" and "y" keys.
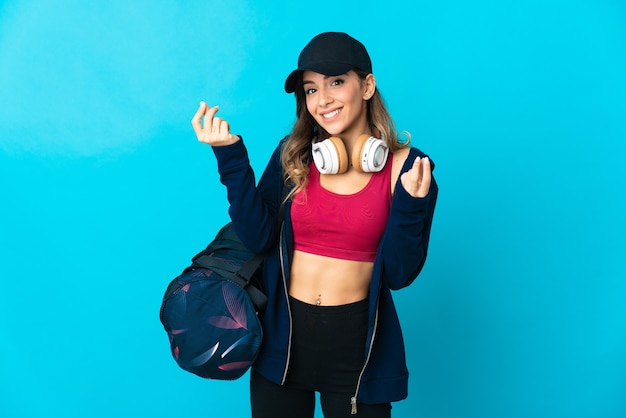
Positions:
{"x": 358, "y": 207}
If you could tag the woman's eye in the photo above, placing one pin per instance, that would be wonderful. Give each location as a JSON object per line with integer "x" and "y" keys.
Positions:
{"x": 309, "y": 91}
{"x": 336, "y": 82}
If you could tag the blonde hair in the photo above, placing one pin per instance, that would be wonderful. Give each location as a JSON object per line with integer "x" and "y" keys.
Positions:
{"x": 296, "y": 150}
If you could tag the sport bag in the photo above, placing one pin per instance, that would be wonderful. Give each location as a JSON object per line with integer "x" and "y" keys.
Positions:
{"x": 210, "y": 311}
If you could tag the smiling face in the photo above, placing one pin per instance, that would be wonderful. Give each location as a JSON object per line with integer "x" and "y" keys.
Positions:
{"x": 339, "y": 103}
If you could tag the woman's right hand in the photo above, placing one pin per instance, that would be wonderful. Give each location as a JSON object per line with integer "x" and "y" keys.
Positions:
{"x": 214, "y": 131}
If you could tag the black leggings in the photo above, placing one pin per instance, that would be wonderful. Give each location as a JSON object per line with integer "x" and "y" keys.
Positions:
{"x": 327, "y": 355}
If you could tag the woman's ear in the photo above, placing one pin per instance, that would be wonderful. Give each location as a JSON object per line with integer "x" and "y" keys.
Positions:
{"x": 369, "y": 85}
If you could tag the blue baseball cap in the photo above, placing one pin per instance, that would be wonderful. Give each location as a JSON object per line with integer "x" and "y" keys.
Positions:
{"x": 330, "y": 53}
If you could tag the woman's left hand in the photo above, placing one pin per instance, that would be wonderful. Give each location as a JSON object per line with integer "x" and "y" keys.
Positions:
{"x": 416, "y": 181}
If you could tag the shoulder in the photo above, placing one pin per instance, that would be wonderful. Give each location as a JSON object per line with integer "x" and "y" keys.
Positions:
{"x": 399, "y": 161}
{"x": 399, "y": 157}
{"x": 277, "y": 153}
{"x": 402, "y": 161}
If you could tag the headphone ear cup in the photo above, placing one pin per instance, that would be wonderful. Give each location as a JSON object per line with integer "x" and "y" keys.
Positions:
{"x": 330, "y": 156}
{"x": 369, "y": 154}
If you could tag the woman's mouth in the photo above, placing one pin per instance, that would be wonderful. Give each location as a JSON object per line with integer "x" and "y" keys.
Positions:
{"x": 332, "y": 114}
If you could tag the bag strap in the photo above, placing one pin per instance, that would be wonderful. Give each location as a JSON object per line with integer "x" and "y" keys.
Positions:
{"x": 210, "y": 262}
{"x": 246, "y": 272}
{"x": 241, "y": 277}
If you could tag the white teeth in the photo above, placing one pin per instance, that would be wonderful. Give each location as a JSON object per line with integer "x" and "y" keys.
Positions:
{"x": 331, "y": 114}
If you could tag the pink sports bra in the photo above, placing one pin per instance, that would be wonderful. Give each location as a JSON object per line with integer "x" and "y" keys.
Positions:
{"x": 342, "y": 226}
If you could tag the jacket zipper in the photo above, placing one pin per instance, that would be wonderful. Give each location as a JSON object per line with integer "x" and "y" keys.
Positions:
{"x": 353, "y": 400}
{"x": 369, "y": 354}
{"x": 282, "y": 270}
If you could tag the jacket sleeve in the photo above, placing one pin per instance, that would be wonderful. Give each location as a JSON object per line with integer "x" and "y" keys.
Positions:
{"x": 405, "y": 242}
{"x": 253, "y": 209}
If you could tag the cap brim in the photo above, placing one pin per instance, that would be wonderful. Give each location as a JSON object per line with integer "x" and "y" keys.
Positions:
{"x": 292, "y": 80}
{"x": 328, "y": 69}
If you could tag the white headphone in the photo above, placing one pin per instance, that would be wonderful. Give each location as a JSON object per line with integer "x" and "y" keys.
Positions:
{"x": 368, "y": 156}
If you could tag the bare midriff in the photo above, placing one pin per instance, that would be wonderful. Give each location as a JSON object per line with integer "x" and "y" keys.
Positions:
{"x": 327, "y": 281}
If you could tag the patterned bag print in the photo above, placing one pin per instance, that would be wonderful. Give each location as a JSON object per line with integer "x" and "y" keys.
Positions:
{"x": 208, "y": 314}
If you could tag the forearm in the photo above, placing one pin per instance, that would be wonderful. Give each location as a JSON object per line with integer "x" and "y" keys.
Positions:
{"x": 405, "y": 242}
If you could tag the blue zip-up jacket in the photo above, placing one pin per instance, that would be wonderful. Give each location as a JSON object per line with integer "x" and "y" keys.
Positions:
{"x": 254, "y": 210}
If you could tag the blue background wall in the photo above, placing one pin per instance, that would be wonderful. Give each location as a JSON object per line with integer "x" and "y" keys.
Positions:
{"x": 105, "y": 194}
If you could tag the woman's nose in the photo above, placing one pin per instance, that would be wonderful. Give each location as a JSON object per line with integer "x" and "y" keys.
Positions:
{"x": 325, "y": 98}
